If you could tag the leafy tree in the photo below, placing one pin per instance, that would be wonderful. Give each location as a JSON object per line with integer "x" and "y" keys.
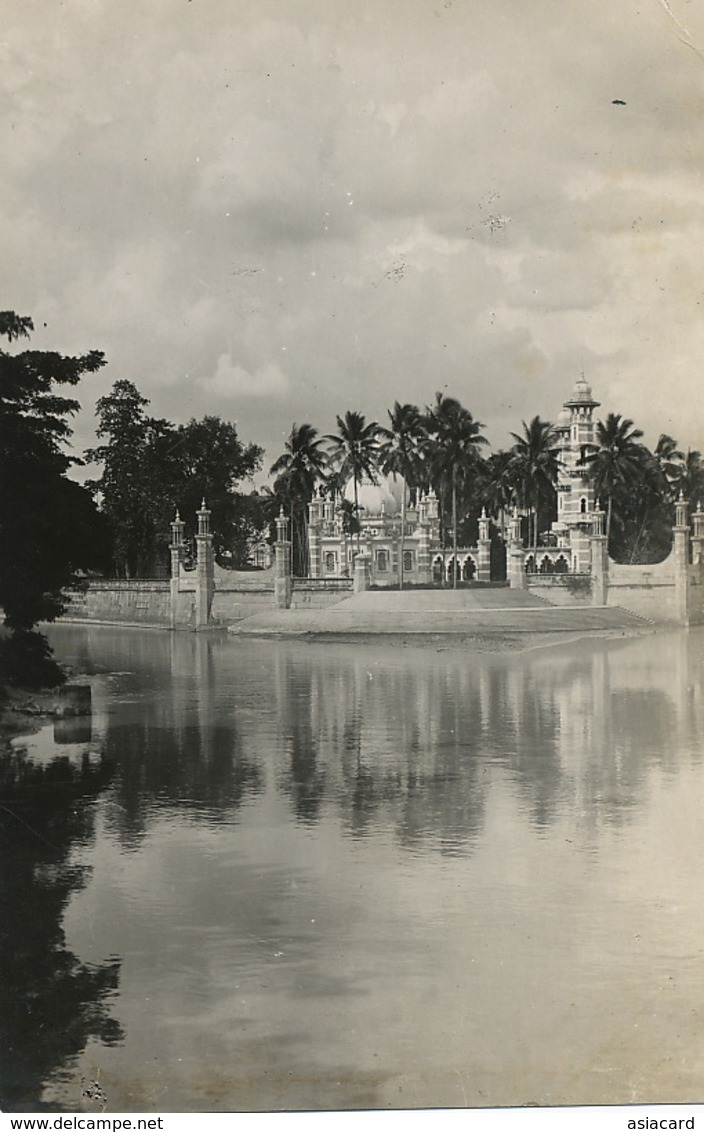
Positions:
{"x": 151, "y": 467}
{"x": 356, "y": 449}
{"x": 207, "y": 460}
{"x": 49, "y": 526}
{"x": 401, "y": 455}
{"x": 131, "y": 485}
{"x": 453, "y": 453}
{"x": 535, "y": 466}
{"x": 298, "y": 469}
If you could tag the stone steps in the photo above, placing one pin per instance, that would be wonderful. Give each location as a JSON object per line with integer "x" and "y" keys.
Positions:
{"x": 346, "y": 618}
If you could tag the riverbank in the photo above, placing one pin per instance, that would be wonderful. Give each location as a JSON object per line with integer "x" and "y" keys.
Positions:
{"x": 497, "y": 620}
{"x": 23, "y": 712}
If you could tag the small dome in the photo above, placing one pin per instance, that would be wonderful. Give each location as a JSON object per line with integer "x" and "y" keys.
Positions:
{"x": 382, "y": 498}
{"x": 581, "y": 394}
{"x": 563, "y": 419}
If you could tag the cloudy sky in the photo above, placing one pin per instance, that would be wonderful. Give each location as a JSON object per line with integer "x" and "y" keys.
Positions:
{"x": 277, "y": 210}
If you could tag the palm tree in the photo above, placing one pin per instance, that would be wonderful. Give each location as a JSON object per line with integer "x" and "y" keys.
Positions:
{"x": 356, "y": 450}
{"x": 689, "y": 477}
{"x": 453, "y": 451}
{"x": 303, "y": 462}
{"x": 401, "y": 456}
{"x": 535, "y": 465}
{"x": 617, "y": 464}
{"x": 669, "y": 459}
{"x": 498, "y": 484}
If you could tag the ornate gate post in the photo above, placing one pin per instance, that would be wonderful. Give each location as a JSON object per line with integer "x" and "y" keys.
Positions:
{"x": 599, "y": 560}
{"x": 176, "y": 547}
{"x": 484, "y": 548}
{"x": 516, "y": 566}
{"x": 681, "y": 559}
{"x": 282, "y": 574}
{"x": 205, "y": 573}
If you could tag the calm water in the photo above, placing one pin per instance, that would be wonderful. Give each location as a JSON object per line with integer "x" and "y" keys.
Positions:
{"x": 283, "y": 875}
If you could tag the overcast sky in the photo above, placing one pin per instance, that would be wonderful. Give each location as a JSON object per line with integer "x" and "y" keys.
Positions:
{"x": 278, "y": 210}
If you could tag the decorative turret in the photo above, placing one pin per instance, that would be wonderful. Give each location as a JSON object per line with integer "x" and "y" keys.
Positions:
{"x": 681, "y": 512}
{"x": 177, "y": 529}
{"x": 203, "y": 520}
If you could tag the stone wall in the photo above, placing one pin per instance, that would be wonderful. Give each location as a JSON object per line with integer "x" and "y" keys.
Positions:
{"x": 648, "y": 591}
{"x": 309, "y": 593}
{"x": 561, "y": 589}
{"x": 133, "y": 602}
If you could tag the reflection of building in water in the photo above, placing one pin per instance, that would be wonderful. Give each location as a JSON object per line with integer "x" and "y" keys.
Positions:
{"x": 419, "y": 742}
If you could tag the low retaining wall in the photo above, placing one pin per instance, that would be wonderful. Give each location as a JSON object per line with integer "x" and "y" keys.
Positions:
{"x": 318, "y": 593}
{"x": 129, "y": 602}
{"x": 648, "y": 591}
{"x": 561, "y": 589}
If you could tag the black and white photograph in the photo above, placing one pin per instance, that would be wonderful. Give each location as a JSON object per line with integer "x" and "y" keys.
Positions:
{"x": 351, "y": 558}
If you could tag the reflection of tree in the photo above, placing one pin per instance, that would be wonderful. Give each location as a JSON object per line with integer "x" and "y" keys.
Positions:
{"x": 302, "y": 779}
{"x": 413, "y": 745}
{"x": 50, "y": 1003}
{"x": 197, "y": 768}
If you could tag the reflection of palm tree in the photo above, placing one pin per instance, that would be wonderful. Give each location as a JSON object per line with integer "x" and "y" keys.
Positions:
{"x": 356, "y": 450}
{"x": 401, "y": 456}
{"x": 617, "y": 464}
{"x": 298, "y": 469}
{"x": 453, "y": 452}
{"x": 535, "y": 464}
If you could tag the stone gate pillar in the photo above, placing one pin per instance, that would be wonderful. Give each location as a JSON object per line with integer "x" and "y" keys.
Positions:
{"x": 599, "y": 560}
{"x": 176, "y": 547}
{"x": 681, "y": 561}
{"x": 516, "y": 565}
{"x": 484, "y": 549}
{"x": 205, "y": 569}
{"x": 362, "y": 571}
{"x": 282, "y": 564}
{"x": 698, "y": 535}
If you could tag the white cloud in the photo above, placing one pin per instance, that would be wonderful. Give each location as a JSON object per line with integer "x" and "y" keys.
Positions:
{"x": 231, "y": 380}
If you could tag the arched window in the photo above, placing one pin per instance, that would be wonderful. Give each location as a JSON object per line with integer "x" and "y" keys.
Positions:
{"x": 382, "y": 561}
{"x": 583, "y": 505}
{"x": 561, "y": 566}
{"x": 408, "y": 561}
{"x": 453, "y": 567}
{"x": 330, "y": 562}
{"x": 437, "y": 570}
{"x": 468, "y": 570}
{"x": 546, "y": 566}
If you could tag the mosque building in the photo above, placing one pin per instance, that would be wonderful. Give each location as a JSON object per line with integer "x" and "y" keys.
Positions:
{"x": 333, "y": 550}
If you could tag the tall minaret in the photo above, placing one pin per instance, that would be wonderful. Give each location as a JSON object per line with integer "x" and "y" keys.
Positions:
{"x": 576, "y": 429}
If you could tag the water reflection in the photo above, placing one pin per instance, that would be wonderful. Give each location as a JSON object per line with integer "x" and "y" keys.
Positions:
{"x": 411, "y": 742}
{"x": 50, "y": 1002}
{"x": 308, "y": 832}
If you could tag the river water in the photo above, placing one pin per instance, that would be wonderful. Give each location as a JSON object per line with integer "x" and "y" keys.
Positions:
{"x": 285, "y": 875}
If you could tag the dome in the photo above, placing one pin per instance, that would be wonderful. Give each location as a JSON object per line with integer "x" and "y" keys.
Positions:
{"x": 382, "y": 498}
{"x": 563, "y": 419}
{"x": 581, "y": 394}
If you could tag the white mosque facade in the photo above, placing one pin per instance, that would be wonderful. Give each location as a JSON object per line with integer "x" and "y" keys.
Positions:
{"x": 420, "y": 554}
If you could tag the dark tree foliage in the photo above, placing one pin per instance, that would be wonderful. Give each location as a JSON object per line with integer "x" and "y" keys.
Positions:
{"x": 50, "y": 530}
{"x": 152, "y": 467}
{"x": 51, "y": 1003}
